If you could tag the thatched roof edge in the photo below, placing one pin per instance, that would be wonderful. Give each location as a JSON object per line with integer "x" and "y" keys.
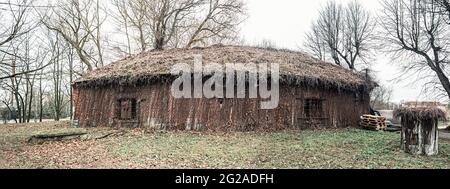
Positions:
{"x": 421, "y": 113}
{"x": 296, "y": 68}
{"x": 284, "y": 80}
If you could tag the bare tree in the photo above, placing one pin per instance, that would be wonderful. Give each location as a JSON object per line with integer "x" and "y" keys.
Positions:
{"x": 267, "y": 44}
{"x": 96, "y": 33}
{"x": 29, "y": 82}
{"x": 78, "y": 23}
{"x": 344, "y": 31}
{"x": 121, "y": 18}
{"x": 168, "y": 16}
{"x": 315, "y": 45}
{"x": 14, "y": 87}
{"x": 57, "y": 76}
{"x": 131, "y": 17}
{"x": 14, "y": 23}
{"x": 41, "y": 97}
{"x": 220, "y": 22}
{"x": 416, "y": 30}
{"x": 26, "y": 56}
{"x": 174, "y": 23}
{"x": 380, "y": 97}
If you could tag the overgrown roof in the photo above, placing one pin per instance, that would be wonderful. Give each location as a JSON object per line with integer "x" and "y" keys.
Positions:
{"x": 296, "y": 68}
{"x": 421, "y": 113}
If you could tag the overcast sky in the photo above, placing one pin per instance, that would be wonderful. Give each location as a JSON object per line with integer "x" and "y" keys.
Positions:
{"x": 285, "y": 22}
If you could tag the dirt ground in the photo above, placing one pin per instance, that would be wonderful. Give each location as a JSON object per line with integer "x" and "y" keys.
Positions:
{"x": 138, "y": 148}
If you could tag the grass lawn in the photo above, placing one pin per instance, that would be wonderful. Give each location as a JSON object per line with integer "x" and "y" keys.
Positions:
{"x": 348, "y": 148}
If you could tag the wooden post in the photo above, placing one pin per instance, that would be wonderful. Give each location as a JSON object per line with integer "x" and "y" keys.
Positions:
{"x": 420, "y": 132}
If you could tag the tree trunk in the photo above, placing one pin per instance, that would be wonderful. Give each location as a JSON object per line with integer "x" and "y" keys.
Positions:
{"x": 24, "y": 111}
{"x": 19, "y": 109}
{"x": 128, "y": 37}
{"x": 142, "y": 39}
{"x": 84, "y": 59}
{"x": 444, "y": 81}
{"x": 15, "y": 89}
{"x": 159, "y": 44}
{"x": 71, "y": 82}
{"x": 26, "y": 98}
{"x": 29, "y": 104}
{"x": 40, "y": 100}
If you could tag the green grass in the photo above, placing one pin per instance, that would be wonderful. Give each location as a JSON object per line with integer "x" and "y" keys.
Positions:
{"x": 352, "y": 148}
{"x": 324, "y": 149}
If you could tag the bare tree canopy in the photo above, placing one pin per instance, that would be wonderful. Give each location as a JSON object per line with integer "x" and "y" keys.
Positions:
{"x": 78, "y": 22}
{"x": 15, "y": 22}
{"x": 220, "y": 22}
{"x": 12, "y": 27}
{"x": 46, "y": 45}
{"x": 343, "y": 33}
{"x": 445, "y": 7}
{"x": 160, "y": 24}
{"x": 130, "y": 17}
{"x": 416, "y": 30}
{"x": 380, "y": 98}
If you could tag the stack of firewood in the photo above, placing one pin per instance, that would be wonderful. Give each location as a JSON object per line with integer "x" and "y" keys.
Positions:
{"x": 376, "y": 123}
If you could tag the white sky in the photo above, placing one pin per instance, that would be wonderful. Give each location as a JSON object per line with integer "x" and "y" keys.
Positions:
{"x": 285, "y": 22}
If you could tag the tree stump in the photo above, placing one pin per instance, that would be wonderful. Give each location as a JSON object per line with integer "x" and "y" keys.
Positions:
{"x": 420, "y": 131}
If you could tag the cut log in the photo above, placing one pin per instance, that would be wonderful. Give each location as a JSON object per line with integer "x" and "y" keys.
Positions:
{"x": 41, "y": 138}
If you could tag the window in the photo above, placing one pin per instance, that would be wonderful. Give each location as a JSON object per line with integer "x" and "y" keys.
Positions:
{"x": 126, "y": 109}
{"x": 313, "y": 108}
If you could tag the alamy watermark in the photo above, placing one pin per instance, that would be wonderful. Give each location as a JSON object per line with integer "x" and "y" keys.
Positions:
{"x": 231, "y": 80}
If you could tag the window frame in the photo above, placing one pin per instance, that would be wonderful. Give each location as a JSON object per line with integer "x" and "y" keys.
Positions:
{"x": 133, "y": 108}
{"x": 313, "y": 108}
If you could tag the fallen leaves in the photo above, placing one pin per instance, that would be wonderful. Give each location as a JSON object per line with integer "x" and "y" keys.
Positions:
{"x": 140, "y": 148}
